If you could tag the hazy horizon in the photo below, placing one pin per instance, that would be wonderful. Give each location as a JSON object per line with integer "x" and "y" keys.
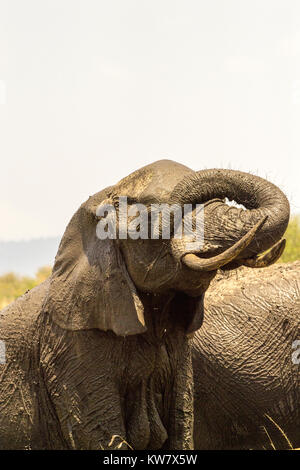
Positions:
{"x": 27, "y": 256}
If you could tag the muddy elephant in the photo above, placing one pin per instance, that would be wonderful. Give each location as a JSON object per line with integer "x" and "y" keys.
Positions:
{"x": 99, "y": 356}
{"x": 246, "y": 364}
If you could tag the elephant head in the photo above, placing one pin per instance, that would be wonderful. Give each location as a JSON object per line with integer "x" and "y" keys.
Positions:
{"x": 96, "y": 283}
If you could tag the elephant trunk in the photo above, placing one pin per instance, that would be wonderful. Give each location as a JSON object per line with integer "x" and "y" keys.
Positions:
{"x": 267, "y": 208}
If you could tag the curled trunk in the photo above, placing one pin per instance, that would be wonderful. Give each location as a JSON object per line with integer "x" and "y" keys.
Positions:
{"x": 226, "y": 225}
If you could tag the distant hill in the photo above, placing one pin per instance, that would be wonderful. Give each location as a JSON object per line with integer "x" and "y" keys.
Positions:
{"x": 26, "y": 257}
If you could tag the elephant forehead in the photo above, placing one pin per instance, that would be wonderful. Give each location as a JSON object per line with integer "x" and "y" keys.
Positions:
{"x": 152, "y": 182}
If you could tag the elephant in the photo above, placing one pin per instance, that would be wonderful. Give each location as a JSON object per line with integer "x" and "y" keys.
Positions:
{"x": 99, "y": 355}
{"x": 245, "y": 361}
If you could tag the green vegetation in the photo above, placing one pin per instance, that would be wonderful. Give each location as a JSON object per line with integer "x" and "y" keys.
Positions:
{"x": 292, "y": 235}
{"x": 12, "y": 285}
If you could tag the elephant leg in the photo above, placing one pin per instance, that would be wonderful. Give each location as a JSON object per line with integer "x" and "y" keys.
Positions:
{"x": 89, "y": 417}
{"x": 82, "y": 388}
{"x": 98, "y": 424}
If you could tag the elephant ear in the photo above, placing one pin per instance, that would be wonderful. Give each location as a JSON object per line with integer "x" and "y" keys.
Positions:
{"x": 90, "y": 286}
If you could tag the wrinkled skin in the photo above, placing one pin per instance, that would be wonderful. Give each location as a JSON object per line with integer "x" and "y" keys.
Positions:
{"x": 242, "y": 360}
{"x": 99, "y": 356}
{"x": 74, "y": 387}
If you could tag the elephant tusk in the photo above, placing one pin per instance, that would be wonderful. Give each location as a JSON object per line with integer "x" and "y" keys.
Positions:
{"x": 210, "y": 264}
{"x": 266, "y": 259}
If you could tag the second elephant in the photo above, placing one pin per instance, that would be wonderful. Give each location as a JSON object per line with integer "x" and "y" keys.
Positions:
{"x": 246, "y": 372}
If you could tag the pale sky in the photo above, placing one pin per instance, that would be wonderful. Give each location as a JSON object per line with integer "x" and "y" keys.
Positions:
{"x": 91, "y": 90}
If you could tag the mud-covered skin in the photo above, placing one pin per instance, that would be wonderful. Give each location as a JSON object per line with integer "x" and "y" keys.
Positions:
{"x": 100, "y": 353}
{"x": 130, "y": 387}
{"x": 242, "y": 360}
{"x": 59, "y": 390}
{"x": 20, "y": 389}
